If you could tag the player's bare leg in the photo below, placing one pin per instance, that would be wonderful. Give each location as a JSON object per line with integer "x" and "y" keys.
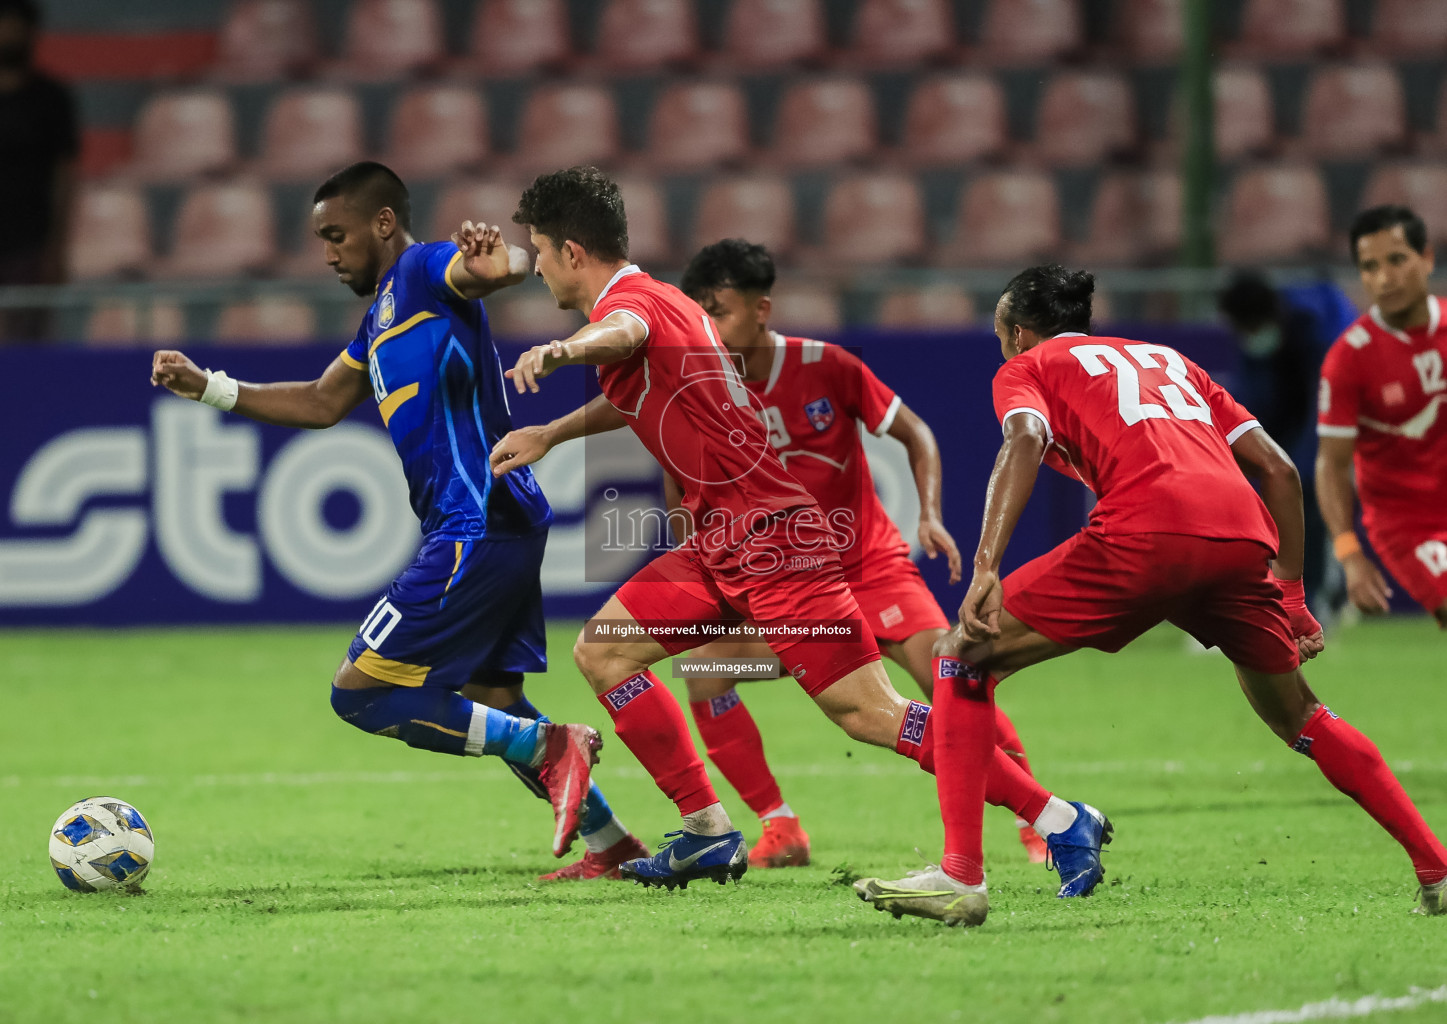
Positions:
{"x": 1441, "y": 615}
{"x": 1351, "y": 763}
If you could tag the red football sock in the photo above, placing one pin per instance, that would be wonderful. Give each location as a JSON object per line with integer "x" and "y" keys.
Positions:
{"x": 736, "y": 749}
{"x": 651, "y": 724}
{"x": 964, "y": 751}
{"x": 1008, "y": 740}
{"x": 1352, "y": 764}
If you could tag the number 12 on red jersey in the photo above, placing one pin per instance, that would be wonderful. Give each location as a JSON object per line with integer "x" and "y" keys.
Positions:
{"x": 1184, "y": 400}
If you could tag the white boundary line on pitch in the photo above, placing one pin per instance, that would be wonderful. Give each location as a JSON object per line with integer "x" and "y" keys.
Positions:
{"x": 1335, "y": 1009}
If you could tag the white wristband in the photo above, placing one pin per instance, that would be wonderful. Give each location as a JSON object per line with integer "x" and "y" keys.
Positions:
{"x": 221, "y": 391}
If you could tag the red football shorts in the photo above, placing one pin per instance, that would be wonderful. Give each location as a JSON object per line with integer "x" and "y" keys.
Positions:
{"x": 800, "y": 582}
{"x": 1103, "y": 592}
{"x": 1416, "y": 555}
{"x": 894, "y": 599}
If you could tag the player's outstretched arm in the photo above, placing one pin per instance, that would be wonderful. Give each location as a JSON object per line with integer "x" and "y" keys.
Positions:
{"x": 1336, "y": 495}
{"x": 307, "y": 404}
{"x": 1011, "y": 481}
{"x": 488, "y": 263}
{"x": 924, "y": 462}
{"x": 526, "y": 445}
{"x": 610, "y": 340}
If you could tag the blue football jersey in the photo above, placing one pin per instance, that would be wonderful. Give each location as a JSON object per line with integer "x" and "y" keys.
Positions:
{"x": 439, "y": 388}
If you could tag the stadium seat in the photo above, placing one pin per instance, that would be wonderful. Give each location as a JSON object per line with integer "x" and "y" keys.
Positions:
{"x": 806, "y": 308}
{"x": 262, "y": 40}
{"x": 1423, "y": 187}
{"x": 222, "y": 230}
{"x": 933, "y": 306}
{"x": 1409, "y": 27}
{"x": 1005, "y": 218}
{"x": 480, "y": 201}
{"x": 873, "y": 219}
{"x": 1245, "y": 121}
{"x": 275, "y": 320}
{"x": 566, "y": 124}
{"x": 184, "y": 135}
{"x": 310, "y": 132}
{"x": 774, "y": 33}
{"x": 1030, "y": 31}
{"x": 647, "y": 210}
{"x": 698, "y": 125}
{"x": 644, "y": 35}
{"x": 1274, "y": 29}
{"x": 1274, "y": 214}
{"x": 437, "y": 129}
{"x": 511, "y": 37}
{"x": 1354, "y": 111}
{"x": 389, "y": 38}
{"x": 1084, "y": 117}
{"x": 955, "y": 119}
{"x": 1150, "y": 31}
{"x": 902, "y": 32}
{"x": 825, "y": 121}
{"x": 760, "y": 209}
{"x": 123, "y": 324}
{"x": 1135, "y": 218}
{"x": 110, "y": 232}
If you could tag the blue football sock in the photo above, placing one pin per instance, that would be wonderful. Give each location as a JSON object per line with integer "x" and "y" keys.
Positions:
{"x": 596, "y": 812}
{"x": 440, "y": 720}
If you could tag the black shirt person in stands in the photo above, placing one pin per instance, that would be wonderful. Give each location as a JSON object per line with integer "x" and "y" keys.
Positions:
{"x": 39, "y": 143}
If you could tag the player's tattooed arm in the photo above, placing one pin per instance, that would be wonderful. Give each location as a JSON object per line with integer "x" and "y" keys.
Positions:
{"x": 527, "y": 445}
{"x": 610, "y": 340}
{"x": 924, "y": 462}
{"x": 1011, "y": 481}
{"x": 488, "y": 263}
{"x": 312, "y": 404}
{"x": 1336, "y": 495}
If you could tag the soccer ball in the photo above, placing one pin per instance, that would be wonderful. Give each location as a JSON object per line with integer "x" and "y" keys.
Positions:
{"x": 101, "y": 843}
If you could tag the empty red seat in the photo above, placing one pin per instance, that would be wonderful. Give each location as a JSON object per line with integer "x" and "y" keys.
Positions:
{"x": 698, "y": 125}
{"x": 1273, "y": 215}
{"x": 1085, "y": 116}
{"x": 1135, "y": 218}
{"x": 121, "y": 324}
{"x": 311, "y": 132}
{"x": 1151, "y": 31}
{"x": 902, "y": 31}
{"x": 641, "y": 35}
{"x": 183, "y": 135}
{"x": 110, "y": 232}
{"x": 1286, "y": 28}
{"x": 267, "y": 39}
{"x": 275, "y": 320}
{"x": 1030, "y": 31}
{"x": 1423, "y": 187}
{"x": 563, "y": 125}
{"x": 759, "y": 209}
{"x": 1245, "y": 122}
{"x": 510, "y": 37}
{"x": 874, "y": 219}
{"x": 802, "y": 307}
{"x": 1005, "y": 218}
{"x": 386, "y": 38}
{"x": 647, "y": 212}
{"x": 480, "y": 201}
{"x": 222, "y": 230}
{"x": 437, "y": 129}
{"x": 935, "y": 306}
{"x": 955, "y": 119}
{"x": 1409, "y": 26}
{"x": 1354, "y": 111}
{"x": 772, "y": 33}
{"x": 825, "y": 121}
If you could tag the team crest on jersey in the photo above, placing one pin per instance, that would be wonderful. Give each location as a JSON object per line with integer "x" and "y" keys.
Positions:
{"x": 387, "y": 308}
{"x": 820, "y": 413}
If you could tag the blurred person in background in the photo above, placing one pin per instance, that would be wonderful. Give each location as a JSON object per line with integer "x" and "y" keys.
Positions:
{"x": 39, "y": 143}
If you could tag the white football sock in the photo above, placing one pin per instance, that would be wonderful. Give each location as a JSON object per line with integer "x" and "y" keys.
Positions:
{"x": 609, "y": 835}
{"x": 712, "y": 820}
{"x": 782, "y": 811}
{"x": 1057, "y": 817}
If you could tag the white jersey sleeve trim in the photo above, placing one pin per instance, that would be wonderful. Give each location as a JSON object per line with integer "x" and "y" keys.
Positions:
{"x": 889, "y": 415}
{"x": 780, "y": 349}
{"x": 1328, "y": 430}
{"x": 1018, "y": 410}
{"x": 1235, "y": 435}
{"x": 635, "y": 316}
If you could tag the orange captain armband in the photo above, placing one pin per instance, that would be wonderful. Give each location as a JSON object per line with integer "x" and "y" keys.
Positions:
{"x": 1344, "y": 545}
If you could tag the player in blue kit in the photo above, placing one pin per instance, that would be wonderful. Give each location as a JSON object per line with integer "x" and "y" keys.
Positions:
{"x": 440, "y": 659}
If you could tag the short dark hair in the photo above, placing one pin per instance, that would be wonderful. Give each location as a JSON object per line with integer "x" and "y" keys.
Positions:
{"x": 1049, "y": 300}
{"x": 372, "y": 186}
{"x": 26, "y": 10}
{"x": 732, "y": 263}
{"x": 1383, "y": 218}
{"x": 580, "y": 204}
{"x": 1248, "y": 300}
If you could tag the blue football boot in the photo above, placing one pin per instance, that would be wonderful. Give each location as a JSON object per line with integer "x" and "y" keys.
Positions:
{"x": 1075, "y": 852}
{"x": 685, "y": 856}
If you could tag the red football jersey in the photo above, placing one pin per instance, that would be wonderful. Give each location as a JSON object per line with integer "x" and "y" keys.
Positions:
{"x": 681, "y": 393}
{"x": 812, "y": 403}
{"x": 1386, "y": 388}
{"x": 1144, "y": 428}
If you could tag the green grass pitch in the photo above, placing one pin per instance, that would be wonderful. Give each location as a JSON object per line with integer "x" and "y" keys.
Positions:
{"x": 306, "y": 872}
